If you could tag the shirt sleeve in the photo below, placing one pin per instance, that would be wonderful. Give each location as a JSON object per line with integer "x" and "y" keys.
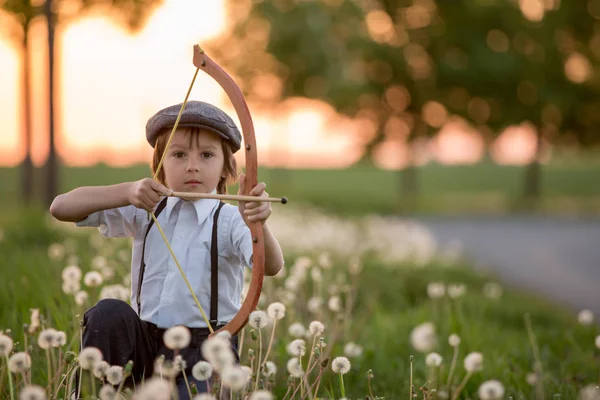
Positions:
{"x": 114, "y": 222}
{"x": 241, "y": 239}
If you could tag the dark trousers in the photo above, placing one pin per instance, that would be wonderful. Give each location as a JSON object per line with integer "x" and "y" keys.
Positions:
{"x": 113, "y": 327}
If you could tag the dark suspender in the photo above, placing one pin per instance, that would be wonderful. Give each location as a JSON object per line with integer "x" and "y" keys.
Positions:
{"x": 214, "y": 264}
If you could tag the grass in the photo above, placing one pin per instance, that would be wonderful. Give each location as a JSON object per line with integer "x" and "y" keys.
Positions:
{"x": 568, "y": 187}
{"x": 391, "y": 299}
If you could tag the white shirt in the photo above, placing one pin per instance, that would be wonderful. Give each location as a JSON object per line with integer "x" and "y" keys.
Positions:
{"x": 165, "y": 298}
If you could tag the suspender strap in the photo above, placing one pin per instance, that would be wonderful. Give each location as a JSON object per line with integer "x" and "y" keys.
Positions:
{"x": 214, "y": 270}
{"x": 161, "y": 206}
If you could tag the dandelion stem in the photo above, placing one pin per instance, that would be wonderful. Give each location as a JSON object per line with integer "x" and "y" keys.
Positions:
{"x": 242, "y": 340}
{"x": 288, "y": 392}
{"x": 342, "y": 385}
{"x": 61, "y": 382}
{"x": 369, "y": 384}
{"x": 187, "y": 384}
{"x": 308, "y": 387}
{"x": 539, "y": 385}
{"x": 10, "y": 382}
{"x": 49, "y": 387}
{"x": 452, "y": 366}
{"x": 93, "y": 384}
{"x": 258, "y": 363}
{"x": 270, "y": 341}
{"x": 462, "y": 385}
{"x": 312, "y": 350}
{"x": 410, "y": 389}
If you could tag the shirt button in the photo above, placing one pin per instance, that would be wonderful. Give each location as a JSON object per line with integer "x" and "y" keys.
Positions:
{"x": 167, "y": 301}
{"x": 181, "y": 235}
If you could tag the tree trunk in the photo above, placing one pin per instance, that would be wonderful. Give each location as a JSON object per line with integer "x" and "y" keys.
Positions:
{"x": 27, "y": 165}
{"x": 533, "y": 174}
{"x": 51, "y": 163}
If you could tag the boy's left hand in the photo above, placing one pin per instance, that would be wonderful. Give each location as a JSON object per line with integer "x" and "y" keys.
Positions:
{"x": 253, "y": 211}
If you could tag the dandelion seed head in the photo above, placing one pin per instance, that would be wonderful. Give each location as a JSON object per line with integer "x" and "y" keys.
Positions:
{"x": 154, "y": 389}
{"x": 294, "y": 368}
{"x": 473, "y": 362}
{"x": 98, "y": 262}
{"x": 270, "y": 368}
{"x": 355, "y": 266}
{"x": 335, "y": 303}
{"x": 19, "y": 362}
{"x": 32, "y": 392}
{"x": 325, "y": 260}
{"x": 423, "y": 337}
{"x": 202, "y": 370}
{"x": 100, "y": 369}
{"x": 247, "y": 370}
{"x": 177, "y": 337}
{"x": 165, "y": 368}
{"x": 89, "y": 357}
{"x": 315, "y": 274}
{"x": 598, "y": 341}
{"x": 340, "y": 365}
{"x": 60, "y": 339}
{"x": 35, "y": 320}
{"x": 454, "y": 340}
{"x": 234, "y": 378}
{"x": 276, "y": 310}
{"x": 71, "y": 287}
{"x": 436, "y": 290}
{"x": 590, "y": 392}
{"x": 316, "y": 328}
{"x": 93, "y": 279}
{"x": 291, "y": 283}
{"x": 81, "y": 297}
{"x": 261, "y": 395}
{"x": 46, "y": 338}
{"x": 531, "y": 378}
{"x": 296, "y": 330}
{"x": 492, "y": 290}
{"x": 297, "y": 347}
{"x": 56, "y": 251}
{"x": 314, "y": 304}
{"x": 114, "y": 374}
{"x": 107, "y": 392}
{"x": 6, "y": 345}
{"x": 585, "y": 317}
{"x": 72, "y": 273}
{"x": 491, "y": 390}
{"x": 107, "y": 273}
{"x": 456, "y": 290}
{"x": 352, "y": 349}
{"x": 204, "y": 396}
{"x": 258, "y": 319}
{"x": 433, "y": 360}
{"x": 225, "y": 334}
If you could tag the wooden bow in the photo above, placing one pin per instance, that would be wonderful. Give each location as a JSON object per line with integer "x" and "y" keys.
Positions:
{"x": 205, "y": 63}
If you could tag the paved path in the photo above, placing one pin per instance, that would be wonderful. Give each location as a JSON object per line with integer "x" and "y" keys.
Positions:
{"x": 558, "y": 258}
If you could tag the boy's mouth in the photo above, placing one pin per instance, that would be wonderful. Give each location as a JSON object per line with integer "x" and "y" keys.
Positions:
{"x": 193, "y": 182}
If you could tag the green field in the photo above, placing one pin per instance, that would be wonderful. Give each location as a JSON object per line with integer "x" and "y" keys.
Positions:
{"x": 390, "y": 300}
{"x": 568, "y": 187}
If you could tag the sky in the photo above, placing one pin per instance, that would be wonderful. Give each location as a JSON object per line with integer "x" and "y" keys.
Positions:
{"x": 110, "y": 82}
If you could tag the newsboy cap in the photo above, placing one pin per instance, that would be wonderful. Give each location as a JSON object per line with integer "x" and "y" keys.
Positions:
{"x": 197, "y": 114}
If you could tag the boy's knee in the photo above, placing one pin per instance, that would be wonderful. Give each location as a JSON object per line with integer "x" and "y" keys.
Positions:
{"x": 107, "y": 311}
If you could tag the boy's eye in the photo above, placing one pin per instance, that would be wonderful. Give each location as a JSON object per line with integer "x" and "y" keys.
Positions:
{"x": 207, "y": 154}
{"x": 178, "y": 154}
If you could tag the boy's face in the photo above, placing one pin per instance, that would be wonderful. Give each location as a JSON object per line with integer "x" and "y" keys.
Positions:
{"x": 194, "y": 162}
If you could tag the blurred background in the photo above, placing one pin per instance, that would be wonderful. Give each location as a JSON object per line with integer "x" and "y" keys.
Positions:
{"x": 478, "y": 117}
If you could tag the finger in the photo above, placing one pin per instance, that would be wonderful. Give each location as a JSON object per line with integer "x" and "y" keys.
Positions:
{"x": 147, "y": 202}
{"x": 253, "y": 211}
{"x": 260, "y": 217}
{"x": 158, "y": 187}
{"x": 252, "y": 204}
{"x": 258, "y": 189}
{"x": 153, "y": 196}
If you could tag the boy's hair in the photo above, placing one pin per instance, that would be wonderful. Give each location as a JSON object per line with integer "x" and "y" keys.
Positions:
{"x": 229, "y": 163}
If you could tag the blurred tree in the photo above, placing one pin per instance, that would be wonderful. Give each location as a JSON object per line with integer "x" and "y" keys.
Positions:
{"x": 132, "y": 13}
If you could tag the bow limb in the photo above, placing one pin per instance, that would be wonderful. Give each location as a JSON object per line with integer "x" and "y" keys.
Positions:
{"x": 202, "y": 61}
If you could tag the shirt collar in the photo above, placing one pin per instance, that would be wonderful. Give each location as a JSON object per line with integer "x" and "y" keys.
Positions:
{"x": 203, "y": 206}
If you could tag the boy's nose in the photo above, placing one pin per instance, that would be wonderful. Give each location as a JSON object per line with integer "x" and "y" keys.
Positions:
{"x": 192, "y": 166}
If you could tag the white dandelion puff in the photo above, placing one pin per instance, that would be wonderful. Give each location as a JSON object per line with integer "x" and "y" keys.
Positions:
{"x": 180, "y": 363}
{"x": 456, "y": 290}
{"x": 177, "y": 337}
{"x": 202, "y": 370}
{"x": 531, "y": 378}
{"x": 270, "y": 368}
{"x": 71, "y": 287}
{"x": 352, "y": 349}
{"x": 316, "y": 275}
{"x": 258, "y": 319}
{"x": 492, "y": 290}
{"x": 114, "y": 374}
{"x": 316, "y": 328}
{"x": 60, "y": 339}
{"x": 6, "y": 345}
{"x": 590, "y": 392}
{"x": 98, "y": 262}
{"x": 89, "y": 357}
{"x": 93, "y": 279}
{"x": 297, "y": 347}
{"x": 294, "y": 368}
{"x": 81, "y": 297}
{"x": 585, "y": 317}
{"x": 314, "y": 304}
{"x": 165, "y": 368}
{"x": 436, "y": 290}
{"x": 423, "y": 337}
{"x": 107, "y": 392}
{"x": 19, "y": 362}
{"x": 474, "y": 362}
{"x": 46, "y": 338}
{"x": 154, "y": 389}
{"x": 32, "y": 392}
{"x": 261, "y": 395}
{"x": 491, "y": 390}
{"x": 335, "y": 303}
{"x": 234, "y": 378}
{"x": 72, "y": 273}
{"x": 454, "y": 340}
{"x": 100, "y": 369}
{"x": 276, "y": 310}
{"x": 433, "y": 360}
{"x": 204, "y": 396}
{"x": 56, "y": 251}
{"x": 598, "y": 341}
{"x": 296, "y": 330}
{"x": 225, "y": 334}
{"x": 35, "y": 320}
{"x": 340, "y": 365}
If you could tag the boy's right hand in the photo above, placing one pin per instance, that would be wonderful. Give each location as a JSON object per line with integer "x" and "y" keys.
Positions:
{"x": 146, "y": 193}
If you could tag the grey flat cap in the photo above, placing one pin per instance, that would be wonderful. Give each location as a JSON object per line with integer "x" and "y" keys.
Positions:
{"x": 196, "y": 114}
